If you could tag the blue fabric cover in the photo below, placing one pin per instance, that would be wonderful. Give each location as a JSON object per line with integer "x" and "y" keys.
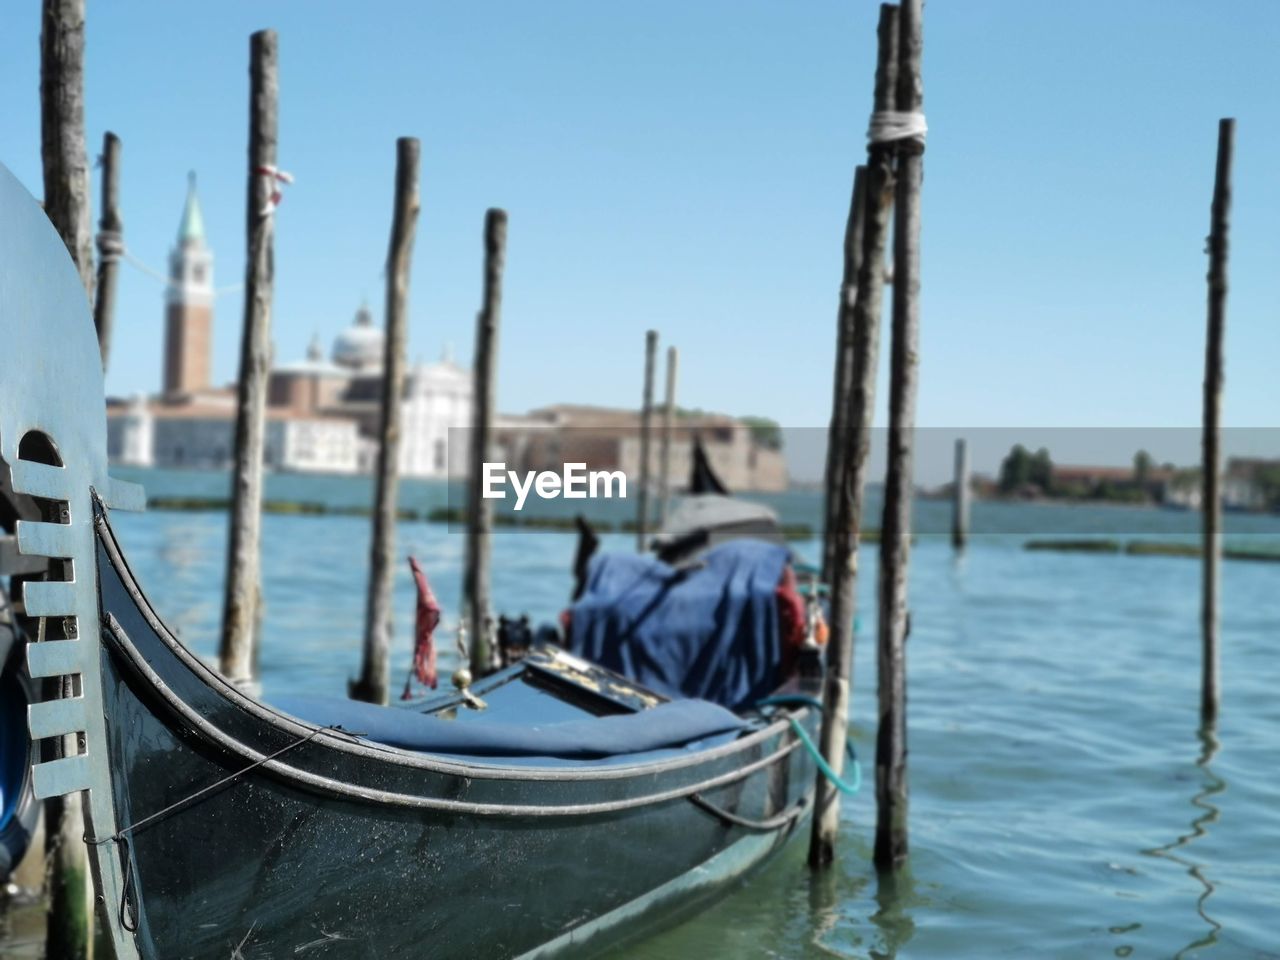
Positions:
{"x": 710, "y": 631}
{"x": 15, "y": 747}
{"x": 666, "y": 725}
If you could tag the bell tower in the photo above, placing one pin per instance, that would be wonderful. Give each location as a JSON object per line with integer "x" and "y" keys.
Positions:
{"x": 189, "y": 305}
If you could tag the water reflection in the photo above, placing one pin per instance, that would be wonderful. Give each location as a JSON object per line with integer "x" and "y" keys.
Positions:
{"x": 895, "y": 898}
{"x": 1211, "y": 784}
{"x": 829, "y": 890}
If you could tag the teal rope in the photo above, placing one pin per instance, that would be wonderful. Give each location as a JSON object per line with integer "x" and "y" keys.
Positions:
{"x": 803, "y": 700}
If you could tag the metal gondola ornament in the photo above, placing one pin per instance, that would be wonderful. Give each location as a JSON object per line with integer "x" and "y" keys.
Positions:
{"x": 52, "y": 408}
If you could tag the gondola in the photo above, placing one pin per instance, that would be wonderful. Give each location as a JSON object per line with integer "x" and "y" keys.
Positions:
{"x": 554, "y": 808}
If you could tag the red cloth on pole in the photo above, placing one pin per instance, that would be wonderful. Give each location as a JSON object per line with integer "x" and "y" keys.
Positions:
{"x": 428, "y": 618}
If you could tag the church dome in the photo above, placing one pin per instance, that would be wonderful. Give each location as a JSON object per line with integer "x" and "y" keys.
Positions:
{"x": 360, "y": 346}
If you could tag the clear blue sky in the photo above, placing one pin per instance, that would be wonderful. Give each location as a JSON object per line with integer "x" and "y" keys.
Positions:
{"x": 687, "y": 166}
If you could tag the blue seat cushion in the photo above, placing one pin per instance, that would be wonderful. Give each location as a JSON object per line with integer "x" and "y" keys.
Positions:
{"x": 667, "y": 725}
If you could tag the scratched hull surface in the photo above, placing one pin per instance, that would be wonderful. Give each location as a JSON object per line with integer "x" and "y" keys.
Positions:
{"x": 342, "y": 848}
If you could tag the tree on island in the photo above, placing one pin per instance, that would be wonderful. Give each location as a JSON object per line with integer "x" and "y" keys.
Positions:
{"x": 1015, "y": 470}
{"x": 765, "y": 432}
{"x": 1042, "y": 470}
{"x": 1142, "y": 466}
{"x": 1022, "y": 469}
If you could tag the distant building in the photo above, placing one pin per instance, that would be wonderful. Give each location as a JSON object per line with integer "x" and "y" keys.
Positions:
{"x": 323, "y": 411}
{"x": 1091, "y": 481}
{"x": 1182, "y": 490}
{"x": 348, "y": 387}
{"x": 131, "y": 433}
{"x": 188, "y": 327}
{"x": 1241, "y": 486}
{"x": 609, "y": 439}
{"x": 322, "y": 414}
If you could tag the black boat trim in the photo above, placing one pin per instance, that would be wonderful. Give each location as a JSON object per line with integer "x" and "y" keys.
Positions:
{"x": 407, "y": 758}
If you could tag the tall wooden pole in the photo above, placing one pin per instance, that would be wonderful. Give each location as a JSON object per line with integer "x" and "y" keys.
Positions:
{"x": 895, "y": 543}
{"x": 854, "y": 438}
{"x": 960, "y": 497}
{"x": 1211, "y": 498}
{"x": 646, "y": 429}
{"x": 668, "y": 426}
{"x": 69, "y": 933}
{"x": 480, "y": 510}
{"x": 62, "y": 141}
{"x": 842, "y": 381}
{"x": 375, "y": 670}
{"x": 238, "y": 653}
{"x": 110, "y": 244}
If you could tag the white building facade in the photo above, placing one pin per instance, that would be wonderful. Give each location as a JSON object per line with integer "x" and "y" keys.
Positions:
{"x": 323, "y": 415}
{"x": 437, "y": 399}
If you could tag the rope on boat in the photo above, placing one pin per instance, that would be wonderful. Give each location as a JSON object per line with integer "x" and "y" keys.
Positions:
{"x": 777, "y": 822}
{"x": 128, "y": 918}
{"x": 849, "y": 787}
{"x": 788, "y": 816}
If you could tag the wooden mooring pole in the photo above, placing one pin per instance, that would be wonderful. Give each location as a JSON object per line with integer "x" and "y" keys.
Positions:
{"x": 864, "y": 259}
{"x": 646, "y": 430}
{"x": 238, "y": 656}
{"x": 69, "y": 932}
{"x": 895, "y": 544}
{"x": 1211, "y": 497}
{"x": 375, "y": 669}
{"x": 668, "y": 426}
{"x": 62, "y": 141}
{"x": 475, "y": 589}
{"x": 842, "y": 379}
{"x": 110, "y": 244}
{"x": 960, "y": 497}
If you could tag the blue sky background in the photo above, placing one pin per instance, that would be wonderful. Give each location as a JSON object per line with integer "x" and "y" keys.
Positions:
{"x": 687, "y": 166}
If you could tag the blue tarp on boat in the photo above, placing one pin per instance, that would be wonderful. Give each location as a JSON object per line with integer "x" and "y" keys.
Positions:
{"x": 665, "y": 726}
{"x": 709, "y": 631}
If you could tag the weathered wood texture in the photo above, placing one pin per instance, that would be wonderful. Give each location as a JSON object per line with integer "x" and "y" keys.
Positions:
{"x": 476, "y": 589}
{"x": 960, "y": 496}
{"x": 854, "y": 439}
{"x": 241, "y": 608}
{"x": 895, "y": 529}
{"x": 842, "y": 380}
{"x": 668, "y": 428}
{"x": 646, "y": 430}
{"x": 374, "y": 684}
{"x": 62, "y": 139}
{"x": 69, "y": 933}
{"x": 1211, "y": 496}
{"x": 110, "y": 244}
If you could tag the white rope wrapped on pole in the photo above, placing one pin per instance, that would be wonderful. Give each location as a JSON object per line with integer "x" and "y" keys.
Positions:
{"x": 894, "y": 126}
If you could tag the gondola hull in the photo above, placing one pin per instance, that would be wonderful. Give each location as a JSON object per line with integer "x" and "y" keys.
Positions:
{"x": 220, "y": 827}
{"x": 351, "y": 849}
